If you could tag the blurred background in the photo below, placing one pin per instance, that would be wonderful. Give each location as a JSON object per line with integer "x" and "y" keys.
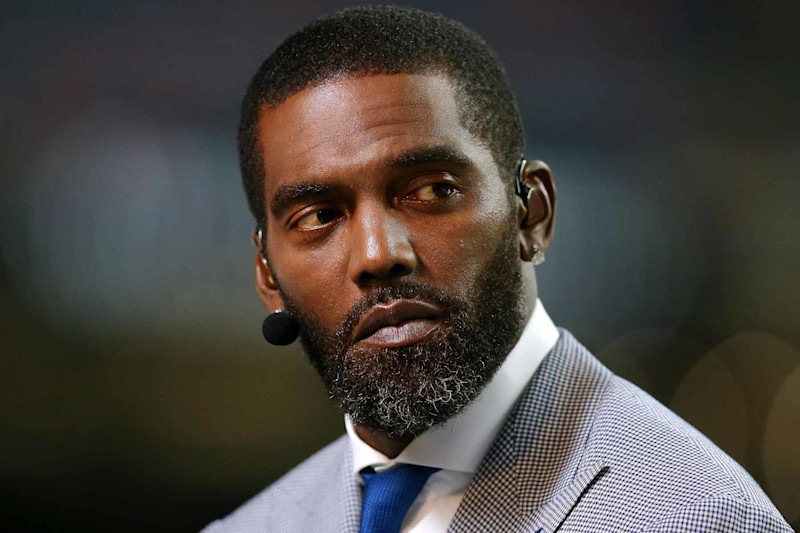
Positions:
{"x": 137, "y": 392}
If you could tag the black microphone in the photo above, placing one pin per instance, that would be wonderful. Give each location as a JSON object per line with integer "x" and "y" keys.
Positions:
{"x": 280, "y": 328}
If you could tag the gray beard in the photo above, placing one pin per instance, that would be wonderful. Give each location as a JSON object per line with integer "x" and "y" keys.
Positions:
{"x": 406, "y": 390}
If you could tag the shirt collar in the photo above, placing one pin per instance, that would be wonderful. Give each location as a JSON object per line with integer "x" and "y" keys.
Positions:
{"x": 461, "y": 443}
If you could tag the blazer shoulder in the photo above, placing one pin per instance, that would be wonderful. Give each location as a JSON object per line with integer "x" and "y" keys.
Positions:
{"x": 721, "y": 514}
{"x": 289, "y": 494}
{"x": 666, "y": 465}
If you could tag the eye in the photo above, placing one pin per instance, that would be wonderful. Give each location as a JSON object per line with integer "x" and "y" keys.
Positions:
{"x": 433, "y": 191}
{"x": 317, "y": 219}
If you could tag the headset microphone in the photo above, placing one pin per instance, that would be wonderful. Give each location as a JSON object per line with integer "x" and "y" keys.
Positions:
{"x": 280, "y": 328}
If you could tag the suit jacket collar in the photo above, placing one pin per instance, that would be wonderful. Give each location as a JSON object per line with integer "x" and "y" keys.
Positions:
{"x": 535, "y": 473}
{"x": 339, "y": 510}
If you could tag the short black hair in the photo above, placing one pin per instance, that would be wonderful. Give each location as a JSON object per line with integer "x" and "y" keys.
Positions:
{"x": 367, "y": 40}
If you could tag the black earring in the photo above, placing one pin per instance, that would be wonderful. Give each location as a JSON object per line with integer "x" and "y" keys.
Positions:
{"x": 280, "y": 328}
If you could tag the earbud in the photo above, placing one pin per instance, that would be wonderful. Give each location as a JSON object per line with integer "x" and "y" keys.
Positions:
{"x": 280, "y": 328}
{"x": 519, "y": 184}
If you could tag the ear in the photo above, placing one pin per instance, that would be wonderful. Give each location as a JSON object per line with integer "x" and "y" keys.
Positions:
{"x": 536, "y": 212}
{"x": 266, "y": 286}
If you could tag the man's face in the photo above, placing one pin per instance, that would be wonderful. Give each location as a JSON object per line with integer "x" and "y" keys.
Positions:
{"x": 391, "y": 235}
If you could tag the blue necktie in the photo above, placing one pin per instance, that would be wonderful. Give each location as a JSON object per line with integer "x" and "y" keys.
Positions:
{"x": 388, "y": 496}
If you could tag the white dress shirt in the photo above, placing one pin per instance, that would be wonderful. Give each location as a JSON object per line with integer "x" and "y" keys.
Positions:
{"x": 458, "y": 446}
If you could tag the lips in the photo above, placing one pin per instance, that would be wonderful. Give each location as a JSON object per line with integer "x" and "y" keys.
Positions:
{"x": 397, "y": 323}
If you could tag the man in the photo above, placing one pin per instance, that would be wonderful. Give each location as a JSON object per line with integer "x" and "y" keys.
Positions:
{"x": 397, "y": 225}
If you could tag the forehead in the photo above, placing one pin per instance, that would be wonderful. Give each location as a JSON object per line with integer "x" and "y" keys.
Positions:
{"x": 348, "y": 125}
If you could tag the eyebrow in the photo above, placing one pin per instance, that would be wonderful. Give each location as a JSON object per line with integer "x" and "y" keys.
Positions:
{"x": 433, "y": 154}
{"x": 290, "y": 193}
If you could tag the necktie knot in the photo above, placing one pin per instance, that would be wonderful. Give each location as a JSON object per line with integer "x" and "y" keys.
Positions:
{"x": 389, "y": 494}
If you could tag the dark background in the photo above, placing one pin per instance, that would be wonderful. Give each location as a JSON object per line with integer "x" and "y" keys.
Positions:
{"x": 136, "y": 391}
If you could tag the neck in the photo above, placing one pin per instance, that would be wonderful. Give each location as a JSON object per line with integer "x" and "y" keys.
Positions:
{"x": 388, "y": 446}
{"x": 530, "y": 290}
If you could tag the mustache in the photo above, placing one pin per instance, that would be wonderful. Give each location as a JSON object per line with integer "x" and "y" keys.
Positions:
{"x": 400, "y": 290}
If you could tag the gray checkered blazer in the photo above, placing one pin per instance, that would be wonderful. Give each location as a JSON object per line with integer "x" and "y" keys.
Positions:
{"x": 583, "y": 451}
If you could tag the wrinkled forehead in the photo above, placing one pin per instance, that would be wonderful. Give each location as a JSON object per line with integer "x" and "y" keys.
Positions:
{"x": 355, "y": 121}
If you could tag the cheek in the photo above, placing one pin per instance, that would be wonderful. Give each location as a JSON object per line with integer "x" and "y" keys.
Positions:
{"x": 456, "y": 253}
{"x": 315, "y": 281}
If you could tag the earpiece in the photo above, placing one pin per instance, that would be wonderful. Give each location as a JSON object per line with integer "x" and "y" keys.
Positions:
{"x": 519, "y": 185}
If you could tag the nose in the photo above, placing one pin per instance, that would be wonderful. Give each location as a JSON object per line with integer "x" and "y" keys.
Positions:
{"x": 380, "y": 247}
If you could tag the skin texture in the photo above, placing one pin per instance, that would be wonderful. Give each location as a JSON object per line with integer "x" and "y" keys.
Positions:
{"x": 372, "y": 179}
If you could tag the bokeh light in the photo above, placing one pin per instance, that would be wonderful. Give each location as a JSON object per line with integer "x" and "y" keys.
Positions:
{"x": 782, "y": 448}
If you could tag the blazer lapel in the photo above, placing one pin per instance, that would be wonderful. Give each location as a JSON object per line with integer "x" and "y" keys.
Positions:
{"x": 552, "y": 515}
{"x": 339, "y": 508}
{"x": 491, "y": 501}
{"x": 533, "y": 475}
